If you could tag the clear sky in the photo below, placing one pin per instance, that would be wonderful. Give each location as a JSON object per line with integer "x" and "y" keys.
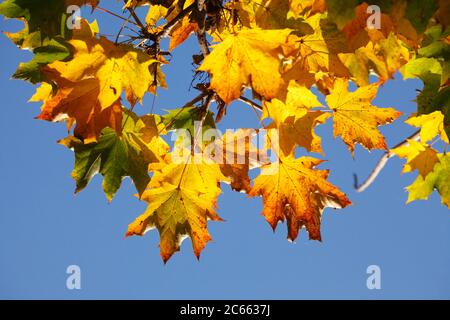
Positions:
{"x": 44, "y": 228}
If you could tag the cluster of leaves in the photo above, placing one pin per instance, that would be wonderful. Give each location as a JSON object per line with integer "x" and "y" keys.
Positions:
{"x": 277, "y": 50}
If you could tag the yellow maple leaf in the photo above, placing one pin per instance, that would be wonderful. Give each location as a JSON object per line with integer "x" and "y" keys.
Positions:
{"x": 362, "y": 61}
{"x": 385, "y": 57}
{"x": 155, "y": 13}
{"x": 356, "y": 119}
{"x": 293, "y": 190}
{"x": 295, "y": 120}
{"x": 430, "y": 125}
{"x": 419, "y": 156}
{"x": 299, "y": 100}
{"x": 319, "y": 51}
{"x": 236, "y": 154}
{"x": 264, "y": 14}
{"x": 117, "y": 68}
{"x": 248, "y": 58}
{"x": 181, "y": 197}
{"x": 306, "y": 7}
{"x": 90, "y": 85}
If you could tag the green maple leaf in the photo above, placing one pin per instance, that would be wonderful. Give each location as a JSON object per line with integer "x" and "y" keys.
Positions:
{"x": 185, "y": 118}
{"x": 116, "y": 156}
{"x": 45, "y": 17}
{"x": 438, "y": 180}
{"x": 54, "y": 50}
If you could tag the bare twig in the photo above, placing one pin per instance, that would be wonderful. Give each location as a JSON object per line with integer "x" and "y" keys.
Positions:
{"x": 115, "y": 15}
{"x": 138, "y": 21}
{"x": 250, "y": 103}
{"x": 381, "y": 164}
{"x": 124, "y": 24}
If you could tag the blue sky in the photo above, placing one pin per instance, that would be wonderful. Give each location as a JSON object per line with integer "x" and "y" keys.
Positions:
{"x": 44, "y": 228}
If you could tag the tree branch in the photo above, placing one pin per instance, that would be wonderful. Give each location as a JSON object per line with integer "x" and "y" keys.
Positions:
{"x": 201, "y": 34}
{"x": 138, "y": 21}
{"x": 169, "y": 25}
{"x": 381, "y": 164}
{"x": 201, "y": 37}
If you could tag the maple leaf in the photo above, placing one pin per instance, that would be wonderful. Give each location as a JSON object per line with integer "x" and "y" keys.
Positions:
{"x": 341, "y": 11}
{"x": 250, "y": 57}
{"x": 385, "y": 58}
{"x": 306, "y": 8}
{"x": 46, "y": 18}
{"x": 181, "y": 197}
{"x": 264, "y": 14}
{"x": 89, "y": 86}
{"x": 430, "y": 125}
{"x": 187, "y": 118}
{"x": 44, "y": 33}
{"x": 279, "y": 50}
{"x": 419, "y": 157}
{"x": 356, "y": 119}
{"x": 319, "y": 51}
{"x": 236, "y": 154}
{"x": 155, "y": 13}
{"x": 116, "y": 156}
{"x": 437, "y": 179}
{"x": 79, "y": 101}
{"x": 293, "y": 190}
{"x": 117, "y": 68}
{"x": 432, "y": 68}
{"x": 182, "y": 33}
{"x": 423, "y": 68}
{"x": 295, "y": 120}
{"x": 51, "y": 51}
{"x": 359, "y": 34}
{"x": 41, "y": 16}
{"x": 435, "y": 95}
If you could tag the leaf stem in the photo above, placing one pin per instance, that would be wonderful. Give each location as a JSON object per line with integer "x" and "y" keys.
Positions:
{"x": 251, "y": 103}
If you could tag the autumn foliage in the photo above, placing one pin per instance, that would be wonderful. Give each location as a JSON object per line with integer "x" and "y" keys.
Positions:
{"x": 278, "y": 57}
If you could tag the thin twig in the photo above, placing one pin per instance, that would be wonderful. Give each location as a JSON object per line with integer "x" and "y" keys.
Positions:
{"x": 251, "y": 103}
{"x": 124, "y": 24}
{"x": 136, "y": 18}
{"x": 381, "y": 164}
{"x": 115, "y": 15}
